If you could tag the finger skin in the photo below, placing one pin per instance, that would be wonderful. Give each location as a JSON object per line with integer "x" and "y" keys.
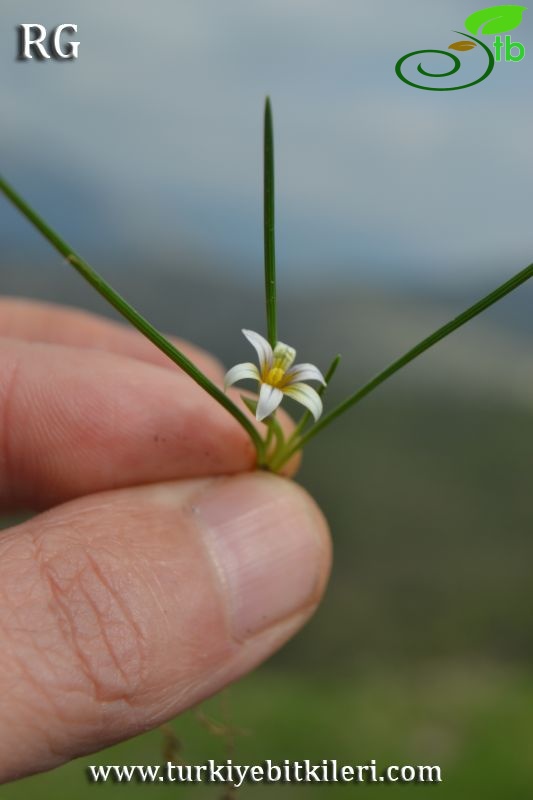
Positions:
{"x": 34, "y": 321}
{"x": 120, "y": 610}
{"x": 73, "y": 422}
{"x": 79, "y": 420}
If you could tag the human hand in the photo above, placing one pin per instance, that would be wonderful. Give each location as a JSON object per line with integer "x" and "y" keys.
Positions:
{"x": 147, "y": 583}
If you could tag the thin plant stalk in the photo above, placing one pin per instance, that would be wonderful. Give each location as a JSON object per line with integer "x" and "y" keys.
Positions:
{"x": 431, "y": 340}
{"x": 133, "y": 316}
{"x": 269, "y": 229}
{"x": 300, "y": 437}
{"x": 307, "y": 416}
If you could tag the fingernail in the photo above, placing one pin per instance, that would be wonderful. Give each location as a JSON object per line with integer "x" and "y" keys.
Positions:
{"x": 268, "y": 543}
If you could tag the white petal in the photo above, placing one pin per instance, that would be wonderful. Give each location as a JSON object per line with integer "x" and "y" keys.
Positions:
{"x": 307, "y": 396}
{"x": 269, "y": 400}
{"x": 304, "y": 372}
{"x": 262, "y": 348}
{"x": 241, "y": 372}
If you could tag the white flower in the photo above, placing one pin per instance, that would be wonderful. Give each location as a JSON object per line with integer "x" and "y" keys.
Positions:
{"x": 277, "y": 376}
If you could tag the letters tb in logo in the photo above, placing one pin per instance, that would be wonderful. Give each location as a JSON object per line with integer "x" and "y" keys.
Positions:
{"x": 34, "y": 41}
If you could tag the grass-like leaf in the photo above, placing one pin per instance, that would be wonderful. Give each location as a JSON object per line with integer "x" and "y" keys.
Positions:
{"x": 431, "y": 340}
{"x": 133, "y": 316}
{"x": 269, "y": 229}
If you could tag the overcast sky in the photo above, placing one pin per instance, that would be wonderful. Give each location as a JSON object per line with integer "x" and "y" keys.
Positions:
{"x": 149, "y": 145}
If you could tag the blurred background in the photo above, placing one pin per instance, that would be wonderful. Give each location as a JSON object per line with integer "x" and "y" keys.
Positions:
{"x": 396, "y": 208}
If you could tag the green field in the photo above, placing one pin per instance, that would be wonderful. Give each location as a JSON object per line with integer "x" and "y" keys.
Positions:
{"x": 474, "y": 722}
{"x": 422, "y": 650}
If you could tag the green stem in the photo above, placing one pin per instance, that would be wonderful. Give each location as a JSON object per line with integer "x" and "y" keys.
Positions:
{"x": 307, "y": 415}
{"x": 277, "y": 431}
{"x": 401, "y": 362}
{"x": 268, "y": 219}
{"x": 127, "y": 311}
{"x": 270, "y": 436}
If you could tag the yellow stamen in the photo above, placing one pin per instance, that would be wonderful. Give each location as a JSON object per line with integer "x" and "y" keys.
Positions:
{"x": 274, "y": 376}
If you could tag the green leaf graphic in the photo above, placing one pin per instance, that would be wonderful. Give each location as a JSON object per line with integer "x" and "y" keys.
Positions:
{"x": 496, "y": 19}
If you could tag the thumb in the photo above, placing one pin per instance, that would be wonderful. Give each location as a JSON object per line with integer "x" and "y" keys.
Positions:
{"x": 120, "y": 610}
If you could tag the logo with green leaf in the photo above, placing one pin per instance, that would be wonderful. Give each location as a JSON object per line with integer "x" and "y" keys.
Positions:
{"x": 492, "y": 21}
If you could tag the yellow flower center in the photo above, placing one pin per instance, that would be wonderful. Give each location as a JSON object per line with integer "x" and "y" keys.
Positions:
{"x": 275, "y": 376}
{"x": 283, "y": 358}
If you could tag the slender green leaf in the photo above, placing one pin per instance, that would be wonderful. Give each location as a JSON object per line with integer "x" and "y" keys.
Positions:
{"x": 269, "y": 230}
{"x": 250, "y": 403}
{"x": 133, "y": 316}
{"x": 431, "y": 340}
{"x": 307, "y": 416}
{"x": 332, "y": 369}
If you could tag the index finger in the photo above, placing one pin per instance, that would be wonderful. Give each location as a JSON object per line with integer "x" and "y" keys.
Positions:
{"x": 35, "y": 321}
{"x": 75, "y": 421}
